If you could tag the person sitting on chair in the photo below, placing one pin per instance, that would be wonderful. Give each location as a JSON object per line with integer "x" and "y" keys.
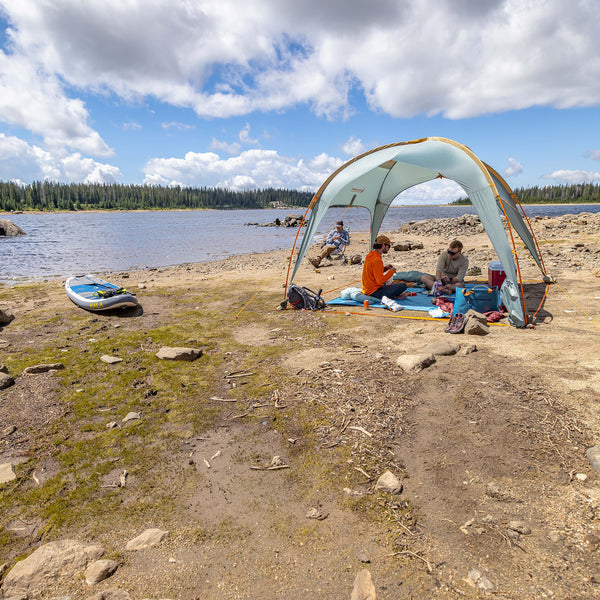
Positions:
{"x": 375, "y": 273}
{"x": 451, "y": 269}
{"x": 337, "y": 237}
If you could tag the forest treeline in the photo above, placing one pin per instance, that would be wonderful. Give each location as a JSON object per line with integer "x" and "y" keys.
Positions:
{"x": 95, "y": 196}
{"x": 581, "y": 193}
{"x": 47, "y": 196}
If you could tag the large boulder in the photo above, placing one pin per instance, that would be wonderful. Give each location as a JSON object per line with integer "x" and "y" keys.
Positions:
{"x": 292, "y": 221}
{"x": 51, "y": 562}
{"x": 9, "y": 229}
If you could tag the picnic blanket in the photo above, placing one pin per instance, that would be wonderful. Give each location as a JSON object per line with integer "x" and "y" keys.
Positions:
{"x": 422, "y": 301}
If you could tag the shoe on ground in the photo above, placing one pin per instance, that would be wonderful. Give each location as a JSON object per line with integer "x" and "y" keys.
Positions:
{"x": 459, "y": 324}
{"x": 450, "y": 325}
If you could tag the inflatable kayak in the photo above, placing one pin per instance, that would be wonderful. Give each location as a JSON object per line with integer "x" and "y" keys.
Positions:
{"x": 93, "y": 293}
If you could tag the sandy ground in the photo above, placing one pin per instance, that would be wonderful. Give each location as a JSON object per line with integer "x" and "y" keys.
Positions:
{"x": 490, "y": 442}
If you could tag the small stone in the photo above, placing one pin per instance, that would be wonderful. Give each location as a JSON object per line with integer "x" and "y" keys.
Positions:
{"x": 363, "y": 557}
{"x": 6, "y": 473}
{"x": 520, "y": 527}
{"x": 150, "y": 537}
{"x": 5, "y": 318}
{"x": 132, "y": 416}
{"x": 363, "y": 589}
{"x": 6, "y": 381}
{"x": 44, "y": 368}
{"x": 99, "y": 571}
{"x": 415, "y": 362}
{"x": 111, "y": 360}
{"x": 8, "y": 431}
{"x": 389, "y": 483}
{"x": 174, "y": 353}
{"x": 111, "y": 425}
{"x": 591, "y": 541}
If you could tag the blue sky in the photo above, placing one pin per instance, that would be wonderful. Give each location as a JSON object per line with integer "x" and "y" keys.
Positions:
{"x": 257, "y": 94}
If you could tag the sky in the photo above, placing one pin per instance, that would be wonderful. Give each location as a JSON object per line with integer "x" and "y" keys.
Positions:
{"x": 253, "y": 94}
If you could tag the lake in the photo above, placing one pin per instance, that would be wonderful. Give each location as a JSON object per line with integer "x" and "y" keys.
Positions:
{"x": 63, "y": 244}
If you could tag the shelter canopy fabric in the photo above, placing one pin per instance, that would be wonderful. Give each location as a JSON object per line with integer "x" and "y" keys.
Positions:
{"x": 374, "y": 179}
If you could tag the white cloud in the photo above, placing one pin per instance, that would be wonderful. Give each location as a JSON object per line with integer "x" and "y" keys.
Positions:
{"x": 439, "y": 191}
{"x": 459, "y": 59}
{"x": 245, "y": 138}
{"x": 514, "y": 167}
{"x": 131, "y": 126}
{"x": 252, "y": 169}
{"x": 353, "y": 146}
{"x": 572, "y": 177}
{"x": 36, "y": 101}
{"x": 229, "y": 148}
{"x": 32, "y": 163}
{"x": 593, "y": 154}
{"x": 177, "y": 126}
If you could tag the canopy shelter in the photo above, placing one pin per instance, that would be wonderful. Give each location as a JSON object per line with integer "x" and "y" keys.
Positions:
{"x": 375, "y": 178}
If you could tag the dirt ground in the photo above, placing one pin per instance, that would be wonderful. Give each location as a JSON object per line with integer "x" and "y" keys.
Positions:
{"x": 499, "y": 499}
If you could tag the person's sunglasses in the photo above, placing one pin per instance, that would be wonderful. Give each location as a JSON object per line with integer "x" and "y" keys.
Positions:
{"x": 453, "y": 253}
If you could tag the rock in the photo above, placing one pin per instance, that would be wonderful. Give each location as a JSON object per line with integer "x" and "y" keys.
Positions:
{"x": 363, "y": 557}
{"x": 475, "y": 323}
{"x": 147, "y": 539}
{"x": 441, "y": 348}
{"x": 5, "y": 318}
{"x": 493, "y": 490}
{"x": 43, "y": 368}
{"x": 5, "y": 381}
{"x": 593, "y": 455}
{"x": 477, "y": 579}
{"x": 3, "y": 369}
{"x": 363, "y": 589}
{"x": 355, "y": 259}
{"x": 315, "y": 513}
{"x": 389, "y": 483}
{"x": 591, "y": 542}
{"x": 169, "y": 353}
{"x": 51, "y": 562}
{"x": 520, "y": 527}
{"x": 292, "y": 221}
{"x": 402, "y": 247}
{"x": 6, "y": 473}
{"x": 132, "y": 416}
{"x": 8, "y": 431}
{"x": 464, "y": 350}
{"x": 415, "y": 362}
{"x": 110, "y": 360}
{"x": 9, "y": 229}
{"x": 99, "y": 571}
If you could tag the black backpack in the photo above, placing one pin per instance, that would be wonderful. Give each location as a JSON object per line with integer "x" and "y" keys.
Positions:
{"x": 303, "y": 298}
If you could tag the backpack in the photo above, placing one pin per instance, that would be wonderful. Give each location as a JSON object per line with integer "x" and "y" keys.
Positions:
{"x": 303, "y": 298}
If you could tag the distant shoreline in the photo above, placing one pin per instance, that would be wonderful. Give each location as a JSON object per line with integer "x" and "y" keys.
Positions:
{"x": 297, "y": 209}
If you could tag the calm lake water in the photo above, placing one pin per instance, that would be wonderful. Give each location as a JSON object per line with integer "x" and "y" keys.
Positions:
{"x": 63, "y": 244}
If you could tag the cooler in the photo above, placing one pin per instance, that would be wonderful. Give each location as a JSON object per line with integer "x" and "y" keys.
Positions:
{"x": 496, "y": 274}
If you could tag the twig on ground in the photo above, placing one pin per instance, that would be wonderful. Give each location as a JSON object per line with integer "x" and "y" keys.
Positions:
{"x": 409, "y": 553}
{"x": 361, "y": 429}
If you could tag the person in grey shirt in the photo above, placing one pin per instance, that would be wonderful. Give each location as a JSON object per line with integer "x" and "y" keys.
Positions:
{"x": 451, "y": 269}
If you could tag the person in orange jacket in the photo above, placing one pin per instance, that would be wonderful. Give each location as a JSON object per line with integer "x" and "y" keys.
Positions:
{"x": 375, "y": 273}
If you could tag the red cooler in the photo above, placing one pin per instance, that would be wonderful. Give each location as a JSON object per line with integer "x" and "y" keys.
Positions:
{"x": 496, "y": 274}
